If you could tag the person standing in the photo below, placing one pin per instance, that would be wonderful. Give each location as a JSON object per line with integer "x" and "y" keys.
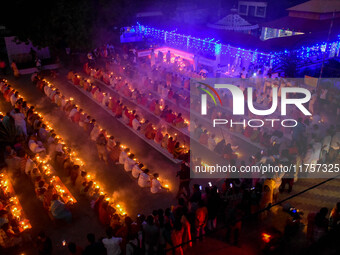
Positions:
{"x": 3, "y": 66}
{"x": 101, "y": 147}
{"x": 15, "y": 70}
{"x": 152, "y": 58}
{"x": 20, "y": 122}
{"x": 168, "y": 57}
{"x": 312, "y": 102}
{"x": 184, "y": 180}
{"x": 94, "y": 248}
{"x": 151, "y": 236}
{"x": 111, "y": 243}
{"x": 44, "y": 244}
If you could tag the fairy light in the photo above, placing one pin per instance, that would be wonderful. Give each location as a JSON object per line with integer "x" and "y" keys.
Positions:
{"x": 14, "y": 206}
{"x": 59, "y": 186}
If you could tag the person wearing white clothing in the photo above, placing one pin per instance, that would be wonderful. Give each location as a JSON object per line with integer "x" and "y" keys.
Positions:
{"x": 211, "y": 142}
{"x": 47, "y": 90}
{"x": 316, "y": 153}
{"x": 144, "y": 179}
{"x": 35, "y": 146}
{"x": 137, "y": 170}
{"x": 106, "y": 99}
{"x": 123, "y": 156}
{"x": 29, "y": 165}
{"x": 335, "y": 146}
{"x": 129, "y": 163}
{"x": 335, "y": 142}
{"x": 111, "y": 143}
{"x": 312, "y": 102}
{"x": 156, "y": 186}
{"x": 95, "y": 132}
{"x": 19, "y": 119}
{"x": 14, "y": 98}
{"x": 135, "y": 123}
{"x": 111, "y": 243}
{"x": 73, "y": 112}
{"x": 326, "y": 144}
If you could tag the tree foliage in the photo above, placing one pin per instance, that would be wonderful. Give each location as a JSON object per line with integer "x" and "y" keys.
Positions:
{"x": 78, "y": 24}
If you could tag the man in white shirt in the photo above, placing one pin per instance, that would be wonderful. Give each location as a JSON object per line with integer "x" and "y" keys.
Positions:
{"x": 112, "y": 243}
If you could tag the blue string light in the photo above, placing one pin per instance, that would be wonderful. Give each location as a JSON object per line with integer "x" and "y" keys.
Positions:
{"x": 212, "y": 47}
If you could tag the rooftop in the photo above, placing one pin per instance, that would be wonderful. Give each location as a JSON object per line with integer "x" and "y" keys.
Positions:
{"x": 317, "y": 6}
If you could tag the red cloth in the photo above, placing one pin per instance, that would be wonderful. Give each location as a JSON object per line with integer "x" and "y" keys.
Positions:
{"x": 170, "y": 117}
{"x": 76, "y": 80}
{"x": 204, "y": 139}
{"x": 94, "y": 89}
{"x": 159, "y": 136}
{"x": 171, "y": 146}
{"x": 76, "y": 117}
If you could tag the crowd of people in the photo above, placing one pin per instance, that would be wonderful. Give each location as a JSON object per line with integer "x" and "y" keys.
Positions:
{"x": 157, "y": 132}
{"x": 198, "y": 210}
{"x": 169, "y": 81}
{"x": 107, "y": 146}
{"x": 14, "y": 225}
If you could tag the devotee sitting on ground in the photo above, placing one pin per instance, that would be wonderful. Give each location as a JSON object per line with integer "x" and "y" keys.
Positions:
{"x": 179, "y": 121}
{"x": 159, "y": 135}
{"x": 137, "y": 170}
{"x": 204, "y": 137}
{"x": 129, "y": 163}
{"x": 59, "y": 209}
{"x": 211, "y": 142}
{"x": 155, "y": 185}
{"x": 144, "y": 179}
{"x": 178, "y": 151}
{"x": 150, "y": 131}
{"x": 35, "y": 146}
{"x": 135, "y": 123}
{"x": 171, "y": 145}
{"x": 123, "y": 156}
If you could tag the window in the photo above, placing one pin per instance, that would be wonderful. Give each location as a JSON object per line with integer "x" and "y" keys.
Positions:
{"x": 251, "y": 11}
{"x": 260, "y": 11}
{"x": 243, "y": 9}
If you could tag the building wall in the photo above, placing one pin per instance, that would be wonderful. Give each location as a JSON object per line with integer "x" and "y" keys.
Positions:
{"x": 21, "y": 52}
